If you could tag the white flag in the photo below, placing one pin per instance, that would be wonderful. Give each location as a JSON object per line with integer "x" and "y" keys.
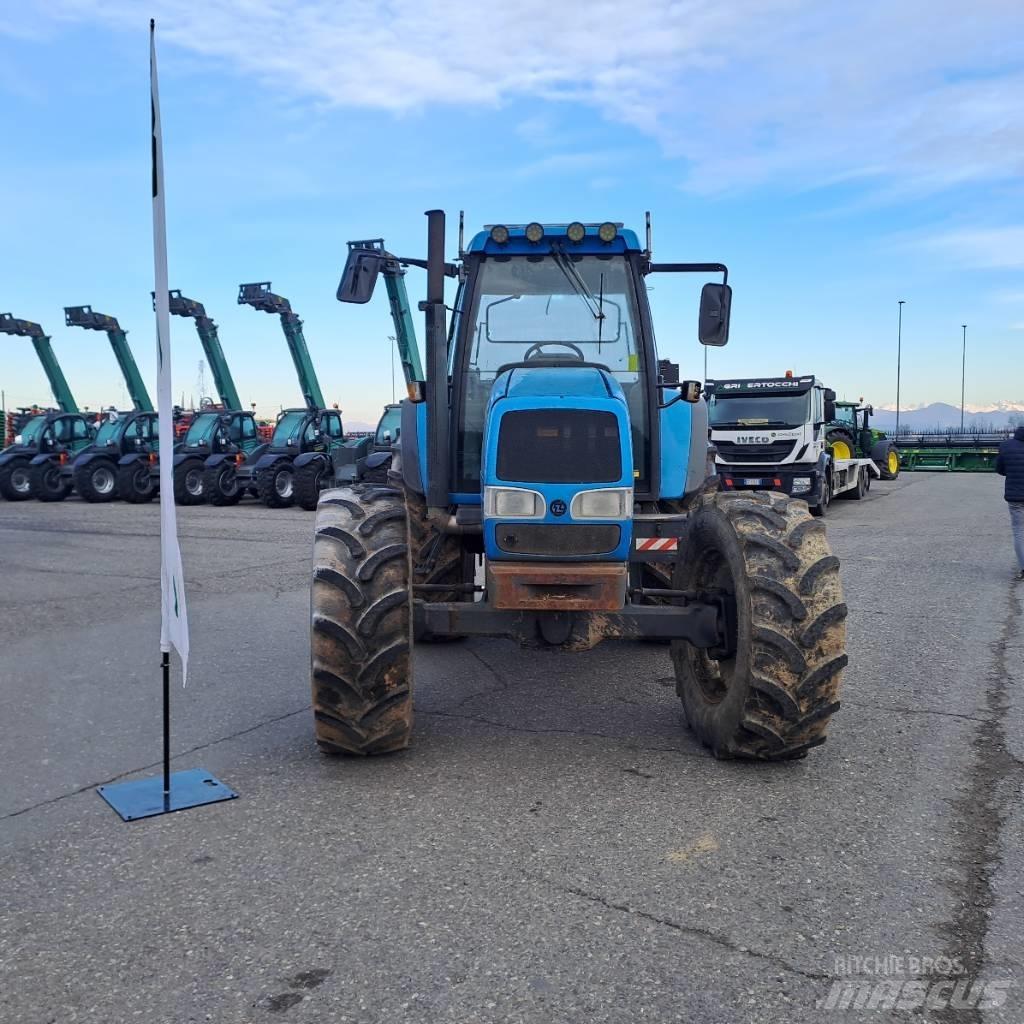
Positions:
{"x": 173, "y": 616}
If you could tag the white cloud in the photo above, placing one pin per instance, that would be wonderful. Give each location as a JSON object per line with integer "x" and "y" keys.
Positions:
{"x": 983, "y": 248}
{"x": 910, "y": 96}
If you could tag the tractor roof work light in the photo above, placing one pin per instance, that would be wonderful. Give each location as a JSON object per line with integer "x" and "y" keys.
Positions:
{"x": 789, "y": 375}
{"x": 534, "y": 232}
{"x": 576, "y": 232}
{"x": 607, "y": 232}
{"x": 499, "y": 234}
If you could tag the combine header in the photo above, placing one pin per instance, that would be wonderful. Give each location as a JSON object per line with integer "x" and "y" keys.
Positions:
{"x": 951, "y": 451}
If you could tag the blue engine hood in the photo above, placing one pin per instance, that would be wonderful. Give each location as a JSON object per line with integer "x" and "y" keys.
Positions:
{"x": 556, "y": 382}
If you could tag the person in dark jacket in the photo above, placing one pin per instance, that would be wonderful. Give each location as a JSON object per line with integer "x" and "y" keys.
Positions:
{"x": 1010, "y": 463}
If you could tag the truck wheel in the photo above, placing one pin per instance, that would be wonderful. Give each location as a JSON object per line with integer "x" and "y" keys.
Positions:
{"x": 825, "y": 498}
{"x": 188, "y": 482}
{"x": 97, "y": 480}
{"x": 842, "y": 443}
{"x": 14, "y": 480}
{"x": 773, "y": 697}
{"x": 309, "y": 480}
{"x": 46, "y": 483}
{"x": 862, "y": 485}
{"x": 277, "y": 485}
{"x": 361, "y": 628}
{"x": 220, "y": 485}
{"x": 134, "y": 484}
{"x": 886, "y": 456}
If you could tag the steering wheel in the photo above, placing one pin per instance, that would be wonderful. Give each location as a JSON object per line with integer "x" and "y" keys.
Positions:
{"x": 539, "y": 346}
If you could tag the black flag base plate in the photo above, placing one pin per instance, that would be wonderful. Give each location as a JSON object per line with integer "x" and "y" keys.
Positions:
{"x": 145, "y": 798}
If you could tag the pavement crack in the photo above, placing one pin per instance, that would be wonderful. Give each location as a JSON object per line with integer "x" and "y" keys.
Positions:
{"x": 153, "y": 764}
{"x": 911, "y": 711}
{"x": 685, "y": 929}
{"x": 994, "y": 785}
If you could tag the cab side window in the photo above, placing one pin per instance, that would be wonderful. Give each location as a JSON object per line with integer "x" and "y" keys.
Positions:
{"x": 332, "y": 425}
{"x": 248, "y": 428}
{"x": 79, "y": 429}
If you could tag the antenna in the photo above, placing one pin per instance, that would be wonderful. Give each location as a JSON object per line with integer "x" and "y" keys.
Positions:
{"x": 462, "y": 234}
{"x": 647, "y": 219}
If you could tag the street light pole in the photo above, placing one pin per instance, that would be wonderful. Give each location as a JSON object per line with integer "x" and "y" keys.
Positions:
{"x": 963, "y": 378}
{"x": 899, "y": 356}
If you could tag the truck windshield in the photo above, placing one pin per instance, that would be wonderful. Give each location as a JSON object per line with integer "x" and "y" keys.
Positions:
{"x": 287, "y": 427}
{"x": 727, "y": 411}
{"x": 540, "y": 307}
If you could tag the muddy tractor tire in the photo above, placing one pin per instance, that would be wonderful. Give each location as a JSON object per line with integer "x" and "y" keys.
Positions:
{"x": 772, "y": 698}
{"x": 277, "y": 485}
{"x": 96, "y": 481}
{"x": 361, "y": 622}
{"x": 134, "y": 483}
{"x": 14, "y": 480}
{"x": 308, "y": 483}
{"x": 189, "y": 484}
{"x": 46, "y": 483}
{"x": 220, "y": 484}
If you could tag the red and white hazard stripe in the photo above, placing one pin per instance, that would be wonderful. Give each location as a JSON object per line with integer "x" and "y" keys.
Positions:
{"x": 656, "y": 543}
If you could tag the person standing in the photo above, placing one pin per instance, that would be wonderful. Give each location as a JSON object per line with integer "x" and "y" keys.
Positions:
{"x": 1010, "y": 463}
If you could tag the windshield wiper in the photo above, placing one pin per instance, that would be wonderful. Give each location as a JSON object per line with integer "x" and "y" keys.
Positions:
{"x": 579, "y": 286}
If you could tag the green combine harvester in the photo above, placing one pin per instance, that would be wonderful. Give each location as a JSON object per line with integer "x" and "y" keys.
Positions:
{"x": 28, "y": 467}
{"x": 93, "y": 471}
{"x": 298, "y": 433}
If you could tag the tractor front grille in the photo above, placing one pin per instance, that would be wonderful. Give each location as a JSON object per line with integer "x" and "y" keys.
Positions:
{"x": 557, "y": 539}
{"x": 560, "y": 446}
{"x": 744, "y": 454}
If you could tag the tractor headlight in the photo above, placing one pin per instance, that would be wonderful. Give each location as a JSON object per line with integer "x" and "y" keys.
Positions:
{"x": 517, "y": 502}
{"x": 607, "y": 503}
{"x": 499, "y": 234}
{"x": 534, "y": 232}
{"x": 576, "y": 232}
{"x": 801, "y": 484}
{"x": 607, "y": 231}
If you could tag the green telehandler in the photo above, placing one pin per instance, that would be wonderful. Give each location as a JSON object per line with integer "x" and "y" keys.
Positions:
{"x": 31, "y": 466}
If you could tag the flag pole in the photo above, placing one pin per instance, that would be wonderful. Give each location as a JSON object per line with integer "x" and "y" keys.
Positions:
{"x": 144, "y": 798}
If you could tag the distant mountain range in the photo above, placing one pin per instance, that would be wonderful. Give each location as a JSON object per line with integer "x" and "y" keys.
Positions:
{"x": 942, "y": 416}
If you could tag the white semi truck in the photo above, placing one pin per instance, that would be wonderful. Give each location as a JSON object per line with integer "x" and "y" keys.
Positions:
{"x": 770, "y": 433}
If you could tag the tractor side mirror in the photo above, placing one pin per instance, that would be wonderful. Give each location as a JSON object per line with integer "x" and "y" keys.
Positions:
{"x": 359, "y": 276}
{"x": 713, "y": 322}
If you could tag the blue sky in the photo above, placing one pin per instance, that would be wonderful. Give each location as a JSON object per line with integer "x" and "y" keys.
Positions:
{"x": 837, "y": 157}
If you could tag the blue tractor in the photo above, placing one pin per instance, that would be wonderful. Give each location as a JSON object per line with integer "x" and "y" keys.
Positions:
{"x": 551, "y": 484}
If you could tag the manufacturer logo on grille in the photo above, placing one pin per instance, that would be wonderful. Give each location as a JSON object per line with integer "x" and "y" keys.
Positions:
{"x": 558, "y": 507}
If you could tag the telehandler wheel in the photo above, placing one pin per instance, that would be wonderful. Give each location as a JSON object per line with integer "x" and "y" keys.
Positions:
{"x": 14, "y": 480}
{"x": 45, "y": 482}
{"x": 308, "y": 481}
{"x": 361, "y": 610}
{"x": 189, "y": 486}
{"x": 220, "y": 485}
{"x": 277, "y": 485}
{"x": 842, "y": 443}
{"x": 772, "y": 698}
{"x": 134, "y": 484}
{"x": 97, "y": 480}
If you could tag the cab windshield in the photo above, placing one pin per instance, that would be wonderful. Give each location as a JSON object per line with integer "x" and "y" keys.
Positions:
{"x": 390, "y": 425}
{"x": 287, "y": 427}
{"x": 31, "y": 432}
{"x": 733, "y": 411}
{"x": 553, "y": 306}
{"x": 108, "y": 431}
{"x": 202, "y": 428}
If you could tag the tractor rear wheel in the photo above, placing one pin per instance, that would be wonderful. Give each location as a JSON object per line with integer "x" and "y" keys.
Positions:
{"x": 134, "y": 483}
{"x": 842, "y": 443}
{"x": 97, "y": 480}
{"x": 773, "y": 696}
{"x": 220, "y": 484}
{"x": 361, "y": 622}
{"x": 14, "y": 480}
{"x": 277, "y": 485}
{"x": 189, "y": 486}
{"x": 46, "y": 483}
{"x": 309, "y": 481}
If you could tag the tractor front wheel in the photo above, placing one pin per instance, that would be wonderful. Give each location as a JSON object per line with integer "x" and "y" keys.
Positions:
{"x": 770, "y": 693}
{"x": 189, "y": 485}
{"x": 46, "y": 483}
{"x": 886, "y": 456}
{"x": 220, "y": 484}
{"x": 14, "y": 480}
{"x": 97, "y": 480}
{"x": 277, "y": 485}
{"x": 361, "y": 622}
{"x": 134, "y": 483}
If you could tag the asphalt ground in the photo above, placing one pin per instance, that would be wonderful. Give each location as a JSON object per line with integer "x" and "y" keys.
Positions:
{"x": 554, "y": 847}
